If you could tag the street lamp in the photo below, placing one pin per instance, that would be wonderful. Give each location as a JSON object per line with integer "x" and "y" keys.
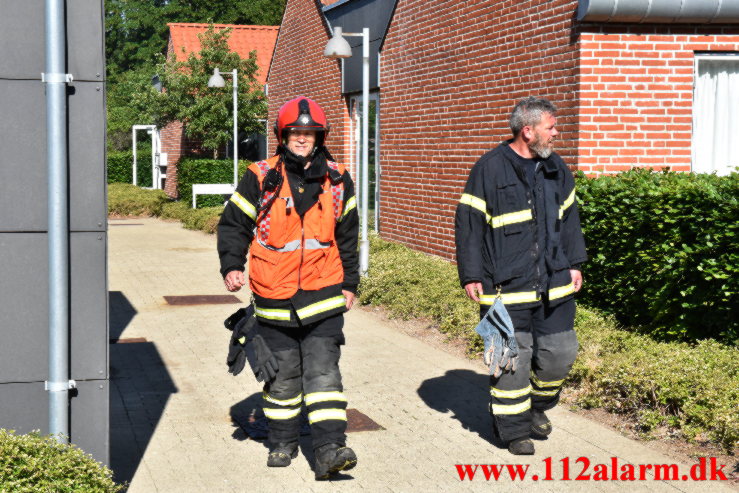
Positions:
{"x": 337, "y": 47}
{"x": 216, "y": 80}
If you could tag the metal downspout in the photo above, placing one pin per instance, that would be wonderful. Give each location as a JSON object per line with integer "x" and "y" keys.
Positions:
{"x": 56, "y": 80}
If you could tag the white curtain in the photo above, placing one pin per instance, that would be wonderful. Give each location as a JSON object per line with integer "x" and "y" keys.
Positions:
{"x": 716, "y": 116}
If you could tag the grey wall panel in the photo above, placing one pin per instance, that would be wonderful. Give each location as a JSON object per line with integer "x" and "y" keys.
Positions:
{"x": 24, "y": 319}
{"x": 22, "y": 39}
{"x": 23, "y": 157}
{"x": 88, "y": 206}
{"x": 24, "y": 407}
{"x": 23, "y": 171}
{"x": 90, "y": 419}
{"x": 89, "y": 306}
{"x": 86, "y": 52}
{"x": 24, "y": 351}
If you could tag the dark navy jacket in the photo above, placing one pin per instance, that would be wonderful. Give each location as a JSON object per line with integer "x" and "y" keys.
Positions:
{"x": 522, "y": 237}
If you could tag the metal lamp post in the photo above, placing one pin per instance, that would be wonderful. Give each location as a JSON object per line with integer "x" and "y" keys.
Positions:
{"x": 216, "y": 80}
{"x": 338, "y": 47}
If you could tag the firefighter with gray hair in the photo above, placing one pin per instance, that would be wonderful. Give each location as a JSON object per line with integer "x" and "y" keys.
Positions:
{"x": 519, "y": 249}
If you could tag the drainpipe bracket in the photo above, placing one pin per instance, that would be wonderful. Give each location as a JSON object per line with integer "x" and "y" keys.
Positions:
{"x": 57, "y": 78}
{"x": 60, "y": 386}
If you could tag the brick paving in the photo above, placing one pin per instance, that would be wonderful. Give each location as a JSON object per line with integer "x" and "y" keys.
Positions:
{"x": 175, "y": 410}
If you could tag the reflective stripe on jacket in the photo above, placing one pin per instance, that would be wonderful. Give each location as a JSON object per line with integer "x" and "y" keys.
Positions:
{"x": 511, "y": 235}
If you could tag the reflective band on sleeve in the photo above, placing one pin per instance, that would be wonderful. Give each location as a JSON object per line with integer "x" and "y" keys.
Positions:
{"x": 321, "y": 306}
{"x": 539, "y": 383}
{"x": 314, "y": 397}
{"x": 511, "y": 218}
{"x": 350, "y": 204}
{"x": 567, "y": 203}
{"x": 561, "y": 291}
{"x": 545, "y": 392}
{"x": 243, "y": 204}
{"x": 324, "y": 414}
{"x": 509, "y": 394}
{"x": 510, "y": 298}
{"x": 513, "y": 408}
{"x": 475, "y": 203}
{"x": 289, "y": 402}
{"x": 280, "y": 413}
{"x": 272, "y": 313}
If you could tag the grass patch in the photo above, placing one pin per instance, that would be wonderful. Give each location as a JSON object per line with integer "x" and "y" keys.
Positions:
{"x": 39, "y": 463}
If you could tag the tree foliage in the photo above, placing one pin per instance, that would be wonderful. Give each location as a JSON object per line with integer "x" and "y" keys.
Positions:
{"x": 136, "y": 30}
{"x": 206, "y": 112}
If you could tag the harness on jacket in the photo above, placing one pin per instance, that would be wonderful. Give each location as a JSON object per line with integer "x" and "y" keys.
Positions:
{"x": 272, "y": 182}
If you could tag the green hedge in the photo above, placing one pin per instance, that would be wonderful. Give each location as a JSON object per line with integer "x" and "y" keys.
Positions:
{"x": 191, "y": 171}
{"x": 39, "y": 463}
{"x": 120, "y": 166}
{"x": 664, "y": 251}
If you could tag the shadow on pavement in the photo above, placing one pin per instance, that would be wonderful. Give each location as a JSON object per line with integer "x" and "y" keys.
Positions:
{"x": 465, "y": 394}
{"x": 140, "y": 387}
{"x": 121, "y": 313}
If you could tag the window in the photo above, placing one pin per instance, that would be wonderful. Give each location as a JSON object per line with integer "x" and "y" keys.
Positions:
{"x": 716, "y": 114}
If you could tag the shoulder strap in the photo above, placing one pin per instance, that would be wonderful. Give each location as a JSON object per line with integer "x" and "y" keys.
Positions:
{"x": 337, "y": 187}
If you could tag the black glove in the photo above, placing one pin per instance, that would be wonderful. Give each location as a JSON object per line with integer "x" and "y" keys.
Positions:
{"x": 236, "y": 353}
{"x": 247, "y": 344}
{"x": 265, "y": 364}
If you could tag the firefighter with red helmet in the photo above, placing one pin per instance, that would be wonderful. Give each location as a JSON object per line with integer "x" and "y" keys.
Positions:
{"x": 295, "y": 215}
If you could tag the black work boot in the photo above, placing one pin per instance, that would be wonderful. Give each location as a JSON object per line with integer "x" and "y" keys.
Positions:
{"x": 521, "y": 446}
{"x": 282, "y": 454}
{"x": 541, "y": 427}
{"x": 332, "y": 458}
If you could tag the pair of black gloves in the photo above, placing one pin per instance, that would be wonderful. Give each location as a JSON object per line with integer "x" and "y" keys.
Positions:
{"x": 247, "y": 345}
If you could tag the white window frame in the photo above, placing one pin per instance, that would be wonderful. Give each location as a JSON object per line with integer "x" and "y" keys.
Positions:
{"x": 697, "y": 59}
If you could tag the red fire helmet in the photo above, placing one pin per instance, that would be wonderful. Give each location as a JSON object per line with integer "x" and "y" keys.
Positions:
{"x": 302, "y": 114}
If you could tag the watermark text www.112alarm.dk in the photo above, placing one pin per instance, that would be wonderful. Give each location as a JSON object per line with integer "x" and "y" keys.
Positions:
{"x": 583, "y": 469}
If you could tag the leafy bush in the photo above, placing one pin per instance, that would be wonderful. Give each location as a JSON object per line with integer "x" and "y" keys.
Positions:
{"x": 39, "y": 463}
{"x": 191, "y": 171}
{"x": 120, "y": 166}
{"x": 129, "y": 200}
{"x": 691, "y": 388}
{"x": 664, "y": 251}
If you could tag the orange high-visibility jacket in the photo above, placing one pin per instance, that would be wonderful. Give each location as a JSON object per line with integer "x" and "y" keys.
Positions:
{"x": 288, "y": 253}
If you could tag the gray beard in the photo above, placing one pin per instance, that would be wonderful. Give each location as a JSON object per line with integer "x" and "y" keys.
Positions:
{"x": 541, "y": 150}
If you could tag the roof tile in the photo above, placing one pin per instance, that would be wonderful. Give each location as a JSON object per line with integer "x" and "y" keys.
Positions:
{"x": 243, "y": 40}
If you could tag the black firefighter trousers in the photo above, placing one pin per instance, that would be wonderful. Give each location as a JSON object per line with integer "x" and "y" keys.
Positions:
{"x": 547, "y": 346}
{"x": 308, "y": 362}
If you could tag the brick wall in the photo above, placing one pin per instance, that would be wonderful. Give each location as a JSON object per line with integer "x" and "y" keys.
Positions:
{"x": 636, "y": 90}
{"x": 299, "y": 69}
{"x": 451, "y": 73}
